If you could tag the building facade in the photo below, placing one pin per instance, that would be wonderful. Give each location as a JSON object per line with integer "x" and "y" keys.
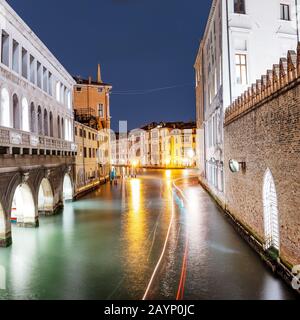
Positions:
{"x": 92, "y": 108}
{"x": 240, "y": 39}
{"x": 262, "y": 145}
{"x": 88, "y": 171}
{"x": 36, "y": 127}
{"x": 157, "y": 145}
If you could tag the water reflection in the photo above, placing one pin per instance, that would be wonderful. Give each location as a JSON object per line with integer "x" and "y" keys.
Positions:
{"x": 135, "y": 194}
{"x": 135, "y": 236}
{"x": 108, "y": 243}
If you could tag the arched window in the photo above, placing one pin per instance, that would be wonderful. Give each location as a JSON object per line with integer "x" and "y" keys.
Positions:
{"x": 271, "y": 218}
{"x": 40, "y": 121}
{"x": 67, "y": 129}
{"x": 46, "y": 131}
{"x": 4, "y": 109}
{"x": 51, "y": 124}
{"x": 16, "y": 112}
{"x": 25, "y": 115}
{"x": 58, "y": 128}
{"x": 62, "y": 129}
{"x": 32, "y": 118}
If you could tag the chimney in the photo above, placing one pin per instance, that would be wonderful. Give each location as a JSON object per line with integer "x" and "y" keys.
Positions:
{"x": 99, "y": 80}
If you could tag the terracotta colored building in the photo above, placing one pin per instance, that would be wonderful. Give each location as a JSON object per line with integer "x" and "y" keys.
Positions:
{"x": 91, "y": 102}
{"x": 92, "y": 108}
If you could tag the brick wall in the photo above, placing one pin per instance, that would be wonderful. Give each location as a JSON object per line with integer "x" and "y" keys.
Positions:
{"x": 263, "y": 130}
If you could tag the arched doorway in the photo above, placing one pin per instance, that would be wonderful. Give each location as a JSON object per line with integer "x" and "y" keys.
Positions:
{"x": 67, "y": 188}
{"x": 23, "y": 210}
{"x": 271, "y": 218}
{"x": 5, "y": 110}
{"x": 45, "y": 197}
{"x": 16, "y": 112}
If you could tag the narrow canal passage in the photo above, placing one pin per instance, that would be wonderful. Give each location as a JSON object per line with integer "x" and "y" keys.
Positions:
{"x": 107, "y": 245}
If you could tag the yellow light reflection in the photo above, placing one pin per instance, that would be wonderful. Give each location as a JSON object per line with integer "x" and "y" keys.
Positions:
{"x": 135, "y": 185}
{"x": 168, "y": 174}
{"x": 135, "y": 234}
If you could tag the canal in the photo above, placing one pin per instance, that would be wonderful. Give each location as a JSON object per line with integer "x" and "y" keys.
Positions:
{"x": 108, "y": 244}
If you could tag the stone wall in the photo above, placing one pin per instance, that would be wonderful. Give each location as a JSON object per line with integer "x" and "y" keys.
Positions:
{"x": 262, "y": 129}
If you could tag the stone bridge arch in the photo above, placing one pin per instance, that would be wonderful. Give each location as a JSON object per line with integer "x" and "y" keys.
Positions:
{"x": 32, "y": 193}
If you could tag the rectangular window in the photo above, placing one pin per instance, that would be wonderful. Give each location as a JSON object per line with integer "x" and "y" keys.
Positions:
{"x": 75, "y": 131}
{"x": 84, "y": 152}
{"x": 45, "y": 79}
{"x": 32, "y": 69}
{"x": 50, "y": 84}
{"x": 285, "y": 12}
{"x": 15, "y": 56}
{"x": 39, "y": 75}
{"x": 239, "y": 6}
{"x": 5, "y": 48}
{"x": 78, "y": 89}
{"x": 24, "y": 63}
{"x": 241, "y": 69}
{"x": 100, "y": 111}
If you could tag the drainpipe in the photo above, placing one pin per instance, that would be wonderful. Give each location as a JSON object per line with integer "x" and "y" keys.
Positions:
{"x": 228, "y": 48}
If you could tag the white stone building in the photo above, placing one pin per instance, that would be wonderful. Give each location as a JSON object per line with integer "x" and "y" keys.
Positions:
{"x": 36, "y": 112}
{"x": 242, "y": 38}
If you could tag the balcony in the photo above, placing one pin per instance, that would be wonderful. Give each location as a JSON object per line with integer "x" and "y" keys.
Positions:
{"x": 19, "y": 142}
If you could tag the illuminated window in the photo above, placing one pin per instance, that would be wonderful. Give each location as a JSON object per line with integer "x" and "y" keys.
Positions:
{"x": 239, "y": 6}
{"x": 241, "y": 68}
{"x": 285, "y": 12}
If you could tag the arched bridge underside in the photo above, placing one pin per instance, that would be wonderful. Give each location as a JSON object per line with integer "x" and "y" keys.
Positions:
{"x": 28, "y": 191}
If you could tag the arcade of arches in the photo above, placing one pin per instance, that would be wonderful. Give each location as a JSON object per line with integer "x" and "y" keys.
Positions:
{"x": 28, "y": 200}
